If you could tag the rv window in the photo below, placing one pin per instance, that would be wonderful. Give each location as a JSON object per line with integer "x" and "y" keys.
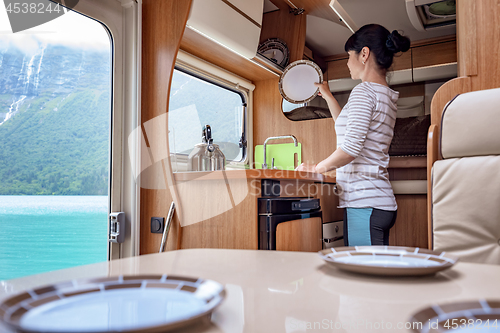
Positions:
{"x": 196, "y": 101}
{"x": 55, "y": 123}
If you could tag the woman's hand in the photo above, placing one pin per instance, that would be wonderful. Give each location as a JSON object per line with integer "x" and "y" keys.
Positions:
{"x": 324, "y": 90}
{"x": 306, "y": 167}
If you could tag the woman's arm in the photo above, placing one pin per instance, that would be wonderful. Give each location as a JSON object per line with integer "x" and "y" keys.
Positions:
{"x": 337, "y": 159}
{"x": 333, "y": 105}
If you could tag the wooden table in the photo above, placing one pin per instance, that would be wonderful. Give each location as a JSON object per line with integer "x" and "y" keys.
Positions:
{"x": 271, "y": 291}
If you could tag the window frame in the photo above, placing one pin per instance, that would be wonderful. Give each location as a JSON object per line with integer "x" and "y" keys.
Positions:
{"x": 208, "y": 72}
{"x": 243, "y": 93}
{"x": 122, "y": 19}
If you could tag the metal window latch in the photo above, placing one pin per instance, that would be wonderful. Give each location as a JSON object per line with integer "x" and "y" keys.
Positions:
{"x": 243, "y": 142}
{"x": 116, "y": 227}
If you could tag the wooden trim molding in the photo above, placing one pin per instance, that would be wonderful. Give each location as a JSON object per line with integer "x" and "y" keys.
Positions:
{"x": 436, "y": 40}
{"x": 445, "y": 93}
{"x": 432, "y": 156}
{"x": 254, "y": 174}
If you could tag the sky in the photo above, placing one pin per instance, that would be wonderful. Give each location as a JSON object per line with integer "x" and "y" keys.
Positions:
{"x": 70, "y": 29}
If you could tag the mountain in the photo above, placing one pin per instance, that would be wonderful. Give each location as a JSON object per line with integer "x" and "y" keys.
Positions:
{"x": 54, "y": 120}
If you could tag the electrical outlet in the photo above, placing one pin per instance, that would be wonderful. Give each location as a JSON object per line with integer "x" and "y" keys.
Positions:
{"x": 157, "y": 225}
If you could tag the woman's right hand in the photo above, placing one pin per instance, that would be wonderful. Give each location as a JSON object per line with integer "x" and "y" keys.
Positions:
{"x": 324, "y": 89}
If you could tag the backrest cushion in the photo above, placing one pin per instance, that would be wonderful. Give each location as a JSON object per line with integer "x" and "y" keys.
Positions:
{"x": 466, "y": 207}
{"x": 470, "y": 125}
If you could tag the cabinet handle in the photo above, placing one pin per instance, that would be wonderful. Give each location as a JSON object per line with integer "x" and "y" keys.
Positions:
{"x": 331, "y": 240}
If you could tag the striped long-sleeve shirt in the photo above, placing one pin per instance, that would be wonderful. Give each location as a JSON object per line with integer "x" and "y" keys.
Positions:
{"x": 364, "y": 128}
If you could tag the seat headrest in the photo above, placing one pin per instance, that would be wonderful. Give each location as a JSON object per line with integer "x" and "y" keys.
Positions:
{"x": 470, "y": 125}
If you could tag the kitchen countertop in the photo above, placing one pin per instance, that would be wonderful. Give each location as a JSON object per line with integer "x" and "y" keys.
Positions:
{"x": 271, "y": 291}
{"x": 254, "y": 174}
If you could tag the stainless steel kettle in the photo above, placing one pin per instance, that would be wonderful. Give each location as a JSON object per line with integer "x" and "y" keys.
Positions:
{"x": 206, "y": 156}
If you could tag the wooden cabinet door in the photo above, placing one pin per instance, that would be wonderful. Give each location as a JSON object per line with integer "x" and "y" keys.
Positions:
{"x": 402, "y": 61}
{"x": 300, "y": 235}
{"x": 411, "y": 223}
{"x": 338, "y": 69}
{"x": 434, "y": 54}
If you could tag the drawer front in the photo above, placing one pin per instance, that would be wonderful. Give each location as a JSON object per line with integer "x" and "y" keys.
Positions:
{"x": 287, "y": 205}
{"x": 333, "y": 234}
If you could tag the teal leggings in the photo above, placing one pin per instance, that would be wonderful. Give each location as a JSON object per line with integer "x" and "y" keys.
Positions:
{"x": 367, "y": 226}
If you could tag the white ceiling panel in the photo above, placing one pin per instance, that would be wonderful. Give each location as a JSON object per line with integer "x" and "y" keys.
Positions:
{"x": 328, "y": 38}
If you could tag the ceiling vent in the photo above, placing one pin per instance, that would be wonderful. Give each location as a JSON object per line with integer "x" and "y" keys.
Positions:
{"x": 234, "y": 24}
{"x": 431, "y": 14}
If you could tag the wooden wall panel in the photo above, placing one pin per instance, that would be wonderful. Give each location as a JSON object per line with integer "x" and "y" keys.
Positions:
{"x": 316, "y": 136}
{"x": 290, "y": 28}
{"x": 478, "y": 52}
{"x": 488, "y": 43}
{"x": 467, "y": 38}
{"x": 163, "y": 23}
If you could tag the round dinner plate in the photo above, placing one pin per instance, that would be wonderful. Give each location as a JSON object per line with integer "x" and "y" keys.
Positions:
{"x": 471, "y": 316}
{"x": 296, "y": 83}
{"x": 388, "y": 260}
{"x": 115, "y": 304}
{"x": 276, "y": 50}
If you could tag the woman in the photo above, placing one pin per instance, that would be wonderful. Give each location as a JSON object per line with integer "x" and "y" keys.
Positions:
{"x": 365, "y": 127}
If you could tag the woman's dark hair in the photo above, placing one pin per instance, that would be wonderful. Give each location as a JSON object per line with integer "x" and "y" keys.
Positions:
{"x": 382, "y": 43}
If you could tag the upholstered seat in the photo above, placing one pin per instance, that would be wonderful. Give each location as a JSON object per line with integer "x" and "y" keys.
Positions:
{"x": 466, "y": 182}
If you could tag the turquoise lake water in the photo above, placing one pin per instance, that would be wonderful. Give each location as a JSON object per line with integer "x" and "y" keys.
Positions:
{"x": 44, "y": 233}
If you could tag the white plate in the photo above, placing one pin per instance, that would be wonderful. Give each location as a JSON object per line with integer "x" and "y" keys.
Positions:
{"x": 472, "y": 316}
{"x": 117, "y": 304}
{"x": 275, "y": 50}
{"x": 296, "y": 83}
{"x": 388, "y": 260}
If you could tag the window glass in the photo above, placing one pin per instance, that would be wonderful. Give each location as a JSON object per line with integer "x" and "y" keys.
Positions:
{"x": 194, "y": 103}
{"x": 55, "y": 110}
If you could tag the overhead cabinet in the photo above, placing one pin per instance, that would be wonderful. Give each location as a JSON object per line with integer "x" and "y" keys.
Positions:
{"x": 435, "y": 61}
{"x": 420, "y": 63}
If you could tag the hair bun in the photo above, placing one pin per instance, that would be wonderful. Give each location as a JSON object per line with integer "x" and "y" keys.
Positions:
{"x": 397, "y": 43}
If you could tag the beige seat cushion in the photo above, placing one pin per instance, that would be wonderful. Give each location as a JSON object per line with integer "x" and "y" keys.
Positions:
{"x": 466, "y": 208}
